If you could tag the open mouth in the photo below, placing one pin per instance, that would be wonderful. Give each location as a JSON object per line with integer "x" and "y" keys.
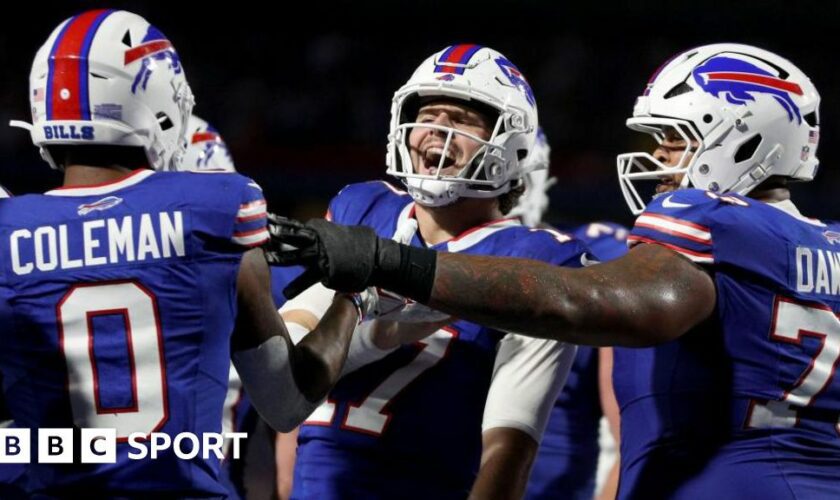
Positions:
{"x": 431, "y": 160}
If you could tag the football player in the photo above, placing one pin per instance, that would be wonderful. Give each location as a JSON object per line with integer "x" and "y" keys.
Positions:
{"x": 729, "y": 293}
{"x": 460, "y": 407}
{"x": 123, "y": 286}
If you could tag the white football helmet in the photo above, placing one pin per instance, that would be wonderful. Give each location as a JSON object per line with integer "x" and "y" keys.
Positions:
{"x": 110, "y": 77}
{"x": 751, "y": 113}
{"x": 534, "y": 201}
{"x": 206, "y": 150}
{"x": 473, "y": 74}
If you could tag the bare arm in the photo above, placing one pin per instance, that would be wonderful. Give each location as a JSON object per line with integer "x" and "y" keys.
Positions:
{"x": 372, "y": 340}
{"x": 285, "y": 456}
{"x": 317, "y": 360}
{"x": 609, "y": 406}
{"x": 322, "y": 353}
{"x": 528, "y": 375}
{"x": 649, "y": 296}
{"x": 506, "y": 459}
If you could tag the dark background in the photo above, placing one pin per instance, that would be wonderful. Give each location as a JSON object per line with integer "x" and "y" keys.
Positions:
{"x": 303, "y": 96}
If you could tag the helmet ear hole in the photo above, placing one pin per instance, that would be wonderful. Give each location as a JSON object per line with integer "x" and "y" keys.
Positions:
{"x": 748, "y": 149}
{"x": 164, "y": 121}
{"x": 811, "y": 119}
{"x": 126, "y": 40}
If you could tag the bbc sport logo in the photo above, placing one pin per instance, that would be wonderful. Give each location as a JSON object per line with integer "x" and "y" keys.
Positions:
{"x": 99, "y": 446}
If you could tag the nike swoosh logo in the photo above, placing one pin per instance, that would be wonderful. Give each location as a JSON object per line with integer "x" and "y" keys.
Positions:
{"x": 586, "y": 262}
{"x": 667, "y": 203}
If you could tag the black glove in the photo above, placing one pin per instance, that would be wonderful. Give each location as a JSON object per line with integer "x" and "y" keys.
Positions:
{"x": 341, "y": 257}
{"x": 348, "y": 258}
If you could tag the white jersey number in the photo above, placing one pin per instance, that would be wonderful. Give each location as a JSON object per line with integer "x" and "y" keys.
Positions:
{"x": 371, "y": 416}
{"x": 136, "y": 307}
{"x": 792, "y": 321}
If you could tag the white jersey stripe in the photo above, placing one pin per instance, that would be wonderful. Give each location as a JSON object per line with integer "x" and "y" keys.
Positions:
{"x": 675, "y": 227}
{"x": 699, "y": 257}
{"x": 251, "y": 238}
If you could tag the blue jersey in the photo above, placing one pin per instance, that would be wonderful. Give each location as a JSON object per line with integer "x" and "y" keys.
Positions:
{"x": 567, "y": 459}
{"x": 11, "y": 475}
{"x": 409, "y": 425}
{"x": 280, "y": 278}
{"x": 606, "y": 240}
{"x": 745, "y": 405}
{"x": 123, "y": 298}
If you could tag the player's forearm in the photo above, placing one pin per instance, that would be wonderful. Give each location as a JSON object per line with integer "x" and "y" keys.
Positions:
{"x": 648, "y": 298}
{"x": 651, "y": 295}
{"x": 506, "y": 461}
{"x": 320, "y": 356}
{"x": 610, "y": 488}
{"x": 285, "y": 455}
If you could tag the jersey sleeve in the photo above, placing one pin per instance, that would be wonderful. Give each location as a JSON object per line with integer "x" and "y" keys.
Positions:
{"x": 350, "y": 206}
{"x": 606, "y": 240}
{"x": 552, "y": 246}
{"x": 228, "y": 210}
{"x": 249, "y": 227}
{"x": 528, "y": 376}
{"x": 680, "y": 221}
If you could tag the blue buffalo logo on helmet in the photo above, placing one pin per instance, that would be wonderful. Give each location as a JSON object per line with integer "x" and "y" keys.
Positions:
{"x": 154, "y": 47}
{"x": 211, "y": 142}
{"x": 736, "y": 81}
{"x": 516, "y": 79}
